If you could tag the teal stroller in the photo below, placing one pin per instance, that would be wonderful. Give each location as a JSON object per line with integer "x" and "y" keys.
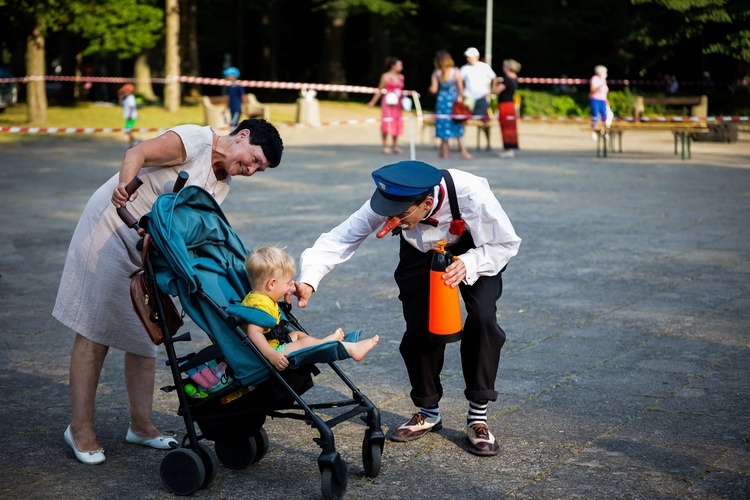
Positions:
{"x": 191, "y": 252}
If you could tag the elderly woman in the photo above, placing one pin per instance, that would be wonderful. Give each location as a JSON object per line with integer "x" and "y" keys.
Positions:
{"x": 93, "y": 299}
{"x": 598, "y": 98}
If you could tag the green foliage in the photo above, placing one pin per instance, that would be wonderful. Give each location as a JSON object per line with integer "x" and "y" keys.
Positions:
{"x": 720, "y": 25}
{"x": 341, "y": 8}
{"x": 621, "y": 102}
{"x": 565, "y": 106}
{"x": 536, "y": 103}
{"x": 124, "y": 28}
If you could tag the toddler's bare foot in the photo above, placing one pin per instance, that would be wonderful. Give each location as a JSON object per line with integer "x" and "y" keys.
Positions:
{"x": 358, "y": 350}
{"x": 337, "y": 335}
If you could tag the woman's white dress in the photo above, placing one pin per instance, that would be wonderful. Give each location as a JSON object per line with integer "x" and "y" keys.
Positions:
{"x": 94, "y": 295}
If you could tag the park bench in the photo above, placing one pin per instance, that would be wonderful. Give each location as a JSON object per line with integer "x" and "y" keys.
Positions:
{"x": 684, "y": 131}
{"x": 698, "y": 104}
{"x": 214, "y": 108}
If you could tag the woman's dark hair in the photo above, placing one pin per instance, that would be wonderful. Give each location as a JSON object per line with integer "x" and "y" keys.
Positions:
{"x": 266, "y": 136}
{"x": 390, "y": 61}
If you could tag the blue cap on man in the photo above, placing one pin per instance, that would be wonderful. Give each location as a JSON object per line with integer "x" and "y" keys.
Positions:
{"x": 401, "y": 184}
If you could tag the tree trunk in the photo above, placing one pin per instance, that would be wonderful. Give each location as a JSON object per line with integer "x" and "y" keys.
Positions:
{"x": 142, "y": 71}
{"x": 189, "y": 47}
{"x": 334, "y": 34}
{"x": 36, "y": 95}
{"x": 172, "y": 87}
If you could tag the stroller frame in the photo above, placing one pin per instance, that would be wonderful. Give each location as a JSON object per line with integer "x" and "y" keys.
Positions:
{"x": 193, "y": 464}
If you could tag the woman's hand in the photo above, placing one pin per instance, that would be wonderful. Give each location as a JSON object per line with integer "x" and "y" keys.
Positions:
{"x": 120, "y": 196}
{"x": 455, "y": 273}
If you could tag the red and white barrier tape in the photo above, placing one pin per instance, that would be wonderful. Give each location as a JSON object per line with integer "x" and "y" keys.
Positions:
{"x": 588, "y": 118}
{"x": 323, "y": 87}
{"x": 585, "y": 81}
{"x": 115, "y": 130}
{"x": 309, "y": 86}
{"x": 335, "y": 123}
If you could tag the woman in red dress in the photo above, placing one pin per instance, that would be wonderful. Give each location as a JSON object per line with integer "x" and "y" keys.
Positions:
{"x": 390, "y": 88}
{"x": 505, "y": 88}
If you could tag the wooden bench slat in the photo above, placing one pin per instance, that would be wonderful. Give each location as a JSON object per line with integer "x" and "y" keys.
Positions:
{"x": 672, "y": 100}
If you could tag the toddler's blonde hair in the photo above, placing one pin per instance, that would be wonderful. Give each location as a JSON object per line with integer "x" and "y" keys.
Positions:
{"x": 268, "y": 262}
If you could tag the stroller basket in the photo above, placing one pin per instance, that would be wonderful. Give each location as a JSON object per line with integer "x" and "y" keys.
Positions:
{"x": 196, "y": 256}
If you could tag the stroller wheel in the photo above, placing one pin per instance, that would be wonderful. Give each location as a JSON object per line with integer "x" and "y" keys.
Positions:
{"x": 371, "y": 457}
{"x": 261, "y": 444}
{"x": 333, "y": 487}
{"x": 182, "y": 471}
{"x": 210, "y": 463}
{"x": 236, "y": 454}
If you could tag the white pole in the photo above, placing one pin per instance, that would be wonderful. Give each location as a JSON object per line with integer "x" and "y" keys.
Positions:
{"x": 488, "y": 34}
{"x": 412, "y": 149}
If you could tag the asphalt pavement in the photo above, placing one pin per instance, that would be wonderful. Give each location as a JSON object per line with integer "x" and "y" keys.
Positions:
{"x": 627, "y": 310}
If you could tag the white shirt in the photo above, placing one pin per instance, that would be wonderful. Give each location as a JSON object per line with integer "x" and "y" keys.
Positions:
{"x": 477, "y": 79}
{"x": 129, "y": 108}
{"x": 495, "y": 239}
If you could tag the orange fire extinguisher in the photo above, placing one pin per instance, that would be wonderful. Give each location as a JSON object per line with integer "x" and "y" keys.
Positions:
{"x": 445, "y": 310}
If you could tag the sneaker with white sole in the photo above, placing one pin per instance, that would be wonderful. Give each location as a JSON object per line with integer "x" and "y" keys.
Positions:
{"x": 481, "y": 440}
{"x": 416, "y": 427}
{"x": 508, "y": 153}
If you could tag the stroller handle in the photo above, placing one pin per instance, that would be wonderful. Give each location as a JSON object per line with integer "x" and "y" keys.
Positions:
{"x": 126, "y": 216}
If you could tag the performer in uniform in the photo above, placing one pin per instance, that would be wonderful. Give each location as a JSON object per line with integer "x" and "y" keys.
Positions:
{"x": 416, "y": 196}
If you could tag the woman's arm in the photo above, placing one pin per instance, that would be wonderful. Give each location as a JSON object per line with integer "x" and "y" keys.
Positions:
{"x": 166, "y": 150}
{"x": 459, "y": 83}
{"x": 498, "y": 85}
{"x": 434, "y": 83}
{"x": 376, "y": 97}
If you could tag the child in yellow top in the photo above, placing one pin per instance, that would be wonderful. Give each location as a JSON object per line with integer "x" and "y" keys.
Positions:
{"x": 271, "y": 272}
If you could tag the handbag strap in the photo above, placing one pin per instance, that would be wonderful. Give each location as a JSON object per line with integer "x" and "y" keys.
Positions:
{"x": 452, "y": 198}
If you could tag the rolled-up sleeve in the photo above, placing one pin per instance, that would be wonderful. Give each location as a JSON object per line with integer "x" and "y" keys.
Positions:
{"x": 495, "y": 239}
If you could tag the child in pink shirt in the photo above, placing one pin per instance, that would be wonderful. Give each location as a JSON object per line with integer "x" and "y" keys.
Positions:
{"x": 598, "y": 98}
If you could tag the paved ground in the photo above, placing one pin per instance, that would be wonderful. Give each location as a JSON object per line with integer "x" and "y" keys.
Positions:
{"x": 627, "y": 312}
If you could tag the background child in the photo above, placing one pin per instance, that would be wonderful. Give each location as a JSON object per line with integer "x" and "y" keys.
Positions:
{"x": 129, "y": 110}
{"x": 271, "y": 271}
{"x": 235, "y": 96}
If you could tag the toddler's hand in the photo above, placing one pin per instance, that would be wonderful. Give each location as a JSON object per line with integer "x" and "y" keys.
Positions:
{"x": 279, "y": 361}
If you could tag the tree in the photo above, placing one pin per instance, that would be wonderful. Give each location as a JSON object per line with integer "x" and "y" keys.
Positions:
{"x": 721, "y": 26}
{"x": 172, "y": 87}
{"x": 32, "y": 20}
{"x": 121, "y": 28}
{"x": 337, "y": 12}
{"x": 36, "y": 95}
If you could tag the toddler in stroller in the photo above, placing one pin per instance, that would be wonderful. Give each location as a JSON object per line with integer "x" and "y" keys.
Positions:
{"x": 191, "y": 252}
{"x": 271, "y": 272}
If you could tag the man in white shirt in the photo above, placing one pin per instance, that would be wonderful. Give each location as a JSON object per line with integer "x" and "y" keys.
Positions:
{"x": 478, "y": 77}
{"x": 426, "y": 206}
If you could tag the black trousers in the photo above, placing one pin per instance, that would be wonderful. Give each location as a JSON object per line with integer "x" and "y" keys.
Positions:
{"x": 482, "y": 337}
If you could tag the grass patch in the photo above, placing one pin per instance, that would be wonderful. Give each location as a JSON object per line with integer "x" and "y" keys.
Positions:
{"x": 97, "y": 115}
